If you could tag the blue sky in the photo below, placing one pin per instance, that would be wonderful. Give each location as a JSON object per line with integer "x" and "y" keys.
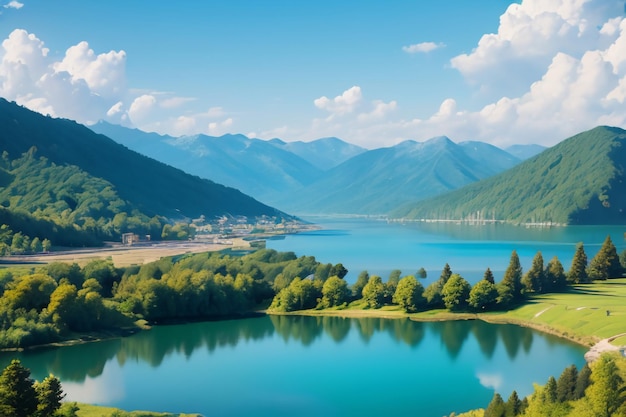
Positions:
{"x": 373, "y": 73}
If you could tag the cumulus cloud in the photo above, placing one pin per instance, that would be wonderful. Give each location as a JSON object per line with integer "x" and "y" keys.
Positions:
{"x": 345, "y": 103}
{"x": 423, "y": 47}
{"x": 529, "y": 36}
{"x": 220, "y": 127}
{"x": 13, "y": 5}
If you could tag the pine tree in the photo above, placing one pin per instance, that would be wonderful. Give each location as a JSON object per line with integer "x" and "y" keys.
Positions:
{"x": 496, "y": 407}
{"x": 566, "y": 384}
{"x": 17, "y": 393}
{"x": 578, "y": 272}
{"x": 49, "y": 396}
{"x": 446, "y": 273}
{"x": 513, "y": 406}
{"x": 606, "y": 262}
{"x": 534, "y": 280}
{"x": 582, "y": 382}
{"x": 489, "y": 276}
{"x": 556, "y": 280}
{"x": 513, "y": 277}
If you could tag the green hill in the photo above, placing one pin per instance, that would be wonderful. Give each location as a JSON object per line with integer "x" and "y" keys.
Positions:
{"x": 578, "y": 181}
{"x": 58, "y": 171}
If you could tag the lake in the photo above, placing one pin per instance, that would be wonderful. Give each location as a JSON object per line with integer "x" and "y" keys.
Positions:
{"x": 379, "y": 247}
{"x": 304, "y": 366}
{"x": 308, "y": 366}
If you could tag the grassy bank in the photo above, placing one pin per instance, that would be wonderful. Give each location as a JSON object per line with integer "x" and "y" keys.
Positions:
{"x": 88, "y": 410}
{"x": 579, "y": 315}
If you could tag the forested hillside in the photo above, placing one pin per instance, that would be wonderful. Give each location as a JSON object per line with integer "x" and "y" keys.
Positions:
{"x": 578, "y": 181}
{"x": 60, "y": 172}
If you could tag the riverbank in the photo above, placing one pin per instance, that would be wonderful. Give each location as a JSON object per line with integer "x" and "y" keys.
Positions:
{"x": 89, "y": 410}
{"x": 592, "y": 315}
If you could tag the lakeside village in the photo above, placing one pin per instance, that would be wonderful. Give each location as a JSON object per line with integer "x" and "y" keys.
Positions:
{"x": 223, "y": 229}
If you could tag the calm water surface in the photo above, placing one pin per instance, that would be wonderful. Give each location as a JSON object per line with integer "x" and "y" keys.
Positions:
{"x": 379, "y": 247}
{"x": 308, "y": 366}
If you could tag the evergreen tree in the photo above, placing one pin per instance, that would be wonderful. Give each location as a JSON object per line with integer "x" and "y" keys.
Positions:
{"x": 17, "y": 393}
{"x": 556, "y": 280}
{"x": 513, "y": 406}
{"x": 582, "y": 382}
{"x": 578, "y": 272}
{"x": 534, "y": 280}
{"x": 489, "y": 276}
{"x": 550, "y": 390}
{"x": 513, "y": 277}
{"x": 496, "y": 407}
{"x": 421, "y": 273}
{"x": 446, "y": 273}
{"x": 606, "y": 262}
{"x": 49, "y": 396}
{"x": 566, "y": 384}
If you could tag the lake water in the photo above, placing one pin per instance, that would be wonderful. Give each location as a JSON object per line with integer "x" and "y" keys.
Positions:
{"x": 302, "y": 366}
{"x": 379, "y": 247}
{"x": 308, "y": 366}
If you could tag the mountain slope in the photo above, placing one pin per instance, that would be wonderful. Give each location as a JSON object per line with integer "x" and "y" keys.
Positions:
{"x": 149, "y": 186}
{"x": 380, "y": 180}
{"x": 579, "y": 181}
{"x": 254, "y": 166}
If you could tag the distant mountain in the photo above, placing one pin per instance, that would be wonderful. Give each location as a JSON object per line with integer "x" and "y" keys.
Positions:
{"x": 324, "y": 153}
{"x": 262, "y": 169}
{"x": 579, "y": 181}
{"x": 380, "y": 180}
{"x": 54, "y": 168}
{"x": 524, "y": 152}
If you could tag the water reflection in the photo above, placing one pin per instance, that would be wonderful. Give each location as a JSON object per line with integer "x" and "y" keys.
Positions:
{"x": 80, "y": 362}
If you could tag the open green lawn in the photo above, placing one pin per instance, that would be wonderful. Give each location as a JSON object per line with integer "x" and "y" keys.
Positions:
{"x": 580, "y": 314}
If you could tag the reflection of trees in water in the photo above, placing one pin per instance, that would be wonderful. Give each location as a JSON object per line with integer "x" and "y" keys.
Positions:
{"x": 155, "y": 345}
{"x": 486, "y": 336}
{"x": 453, "y": 335}
{"x": 69, "y": 363}
{"x": 300, "y": 328}
{"x": 513, "y": 337}
{"x": 336, "y": 327}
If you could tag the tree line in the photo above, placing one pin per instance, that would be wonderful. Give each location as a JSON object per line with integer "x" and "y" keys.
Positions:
{"x": 598, "y": 391}
{"x": 452, "y": 291}
{"x": 50, "y": 303}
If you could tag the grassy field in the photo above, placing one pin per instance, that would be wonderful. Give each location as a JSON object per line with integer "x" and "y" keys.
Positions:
{"x": 87, "y": 410}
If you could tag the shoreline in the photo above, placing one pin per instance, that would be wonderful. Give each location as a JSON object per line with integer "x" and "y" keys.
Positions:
{"x": 595, "y": 345}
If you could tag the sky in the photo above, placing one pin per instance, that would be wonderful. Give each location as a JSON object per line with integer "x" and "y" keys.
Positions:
{"x": 373, "y": 73}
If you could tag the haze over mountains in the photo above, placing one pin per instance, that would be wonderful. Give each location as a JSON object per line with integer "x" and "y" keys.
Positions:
{"x": 326, "y": 175}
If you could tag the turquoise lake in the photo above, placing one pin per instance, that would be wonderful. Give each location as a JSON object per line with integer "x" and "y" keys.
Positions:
{"x": 379, "y": 247}
{"x": 305, "y": 366}
{"x": 308, "y": 366}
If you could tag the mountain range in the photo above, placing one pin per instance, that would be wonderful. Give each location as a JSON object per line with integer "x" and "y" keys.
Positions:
{"x": 581, "y": 180}
{"x": 327, "y": 175}
{"x": 53, "y": 168}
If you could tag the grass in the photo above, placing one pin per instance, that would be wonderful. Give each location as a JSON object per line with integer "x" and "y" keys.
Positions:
{"x": 88, "y": 410}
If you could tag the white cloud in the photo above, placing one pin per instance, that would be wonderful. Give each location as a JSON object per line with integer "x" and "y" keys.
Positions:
{"x": 141, "y": 108}
{"x": 530, "y": 35}
{"x": 345, "y": 103}
{"x": 14, "y": 5}
{"x": 423, "y": 47}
